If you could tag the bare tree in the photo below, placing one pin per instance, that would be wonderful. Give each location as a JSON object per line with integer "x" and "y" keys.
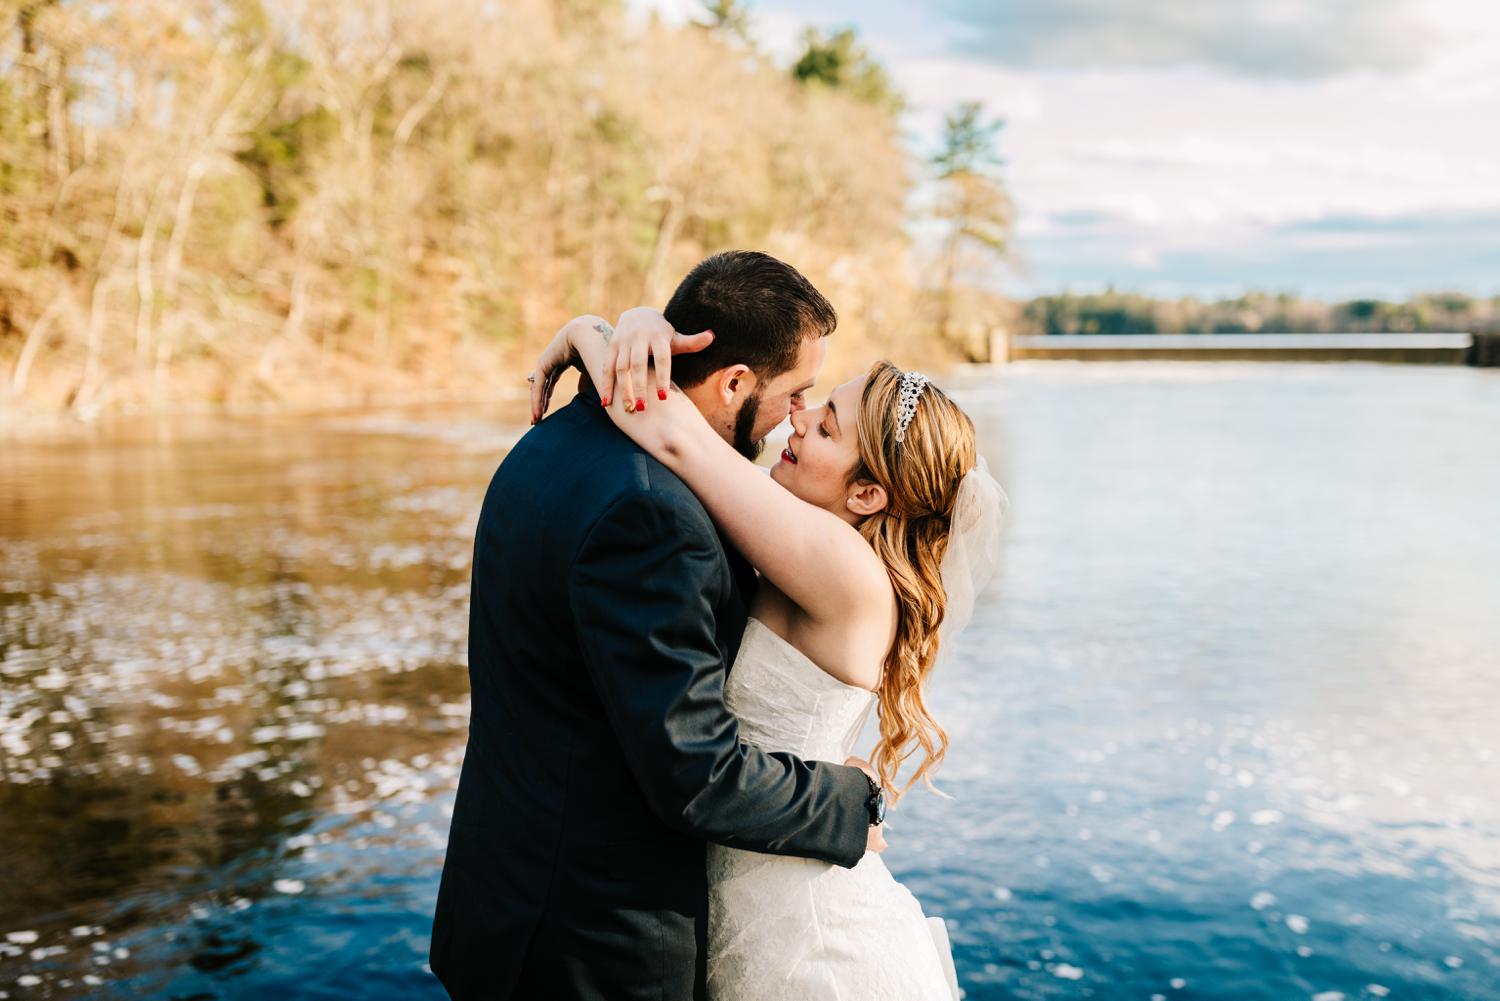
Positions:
{"x": 972, "y": 202}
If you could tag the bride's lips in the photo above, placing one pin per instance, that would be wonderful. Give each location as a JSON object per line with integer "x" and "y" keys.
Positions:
{"x": 787, "y": 456}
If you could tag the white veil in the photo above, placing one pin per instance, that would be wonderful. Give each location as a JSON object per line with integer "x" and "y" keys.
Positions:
{"x": 979, "y": 513}
{"x": 973, "y": 553}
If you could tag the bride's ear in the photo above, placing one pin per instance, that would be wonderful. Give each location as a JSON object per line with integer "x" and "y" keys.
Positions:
{"x": 867, "y": 498}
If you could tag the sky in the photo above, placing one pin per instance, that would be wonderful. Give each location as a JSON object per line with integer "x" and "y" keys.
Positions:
{"x": 1329, "y": 148}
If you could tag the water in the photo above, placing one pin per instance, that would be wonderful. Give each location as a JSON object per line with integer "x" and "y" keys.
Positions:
{"x": 1227, "y": 725}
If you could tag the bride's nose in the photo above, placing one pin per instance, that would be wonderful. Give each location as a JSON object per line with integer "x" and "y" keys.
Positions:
{"x": 799, "y": 421}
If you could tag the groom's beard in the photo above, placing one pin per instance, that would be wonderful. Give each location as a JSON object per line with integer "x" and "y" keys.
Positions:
{"x": 744, "y": 427}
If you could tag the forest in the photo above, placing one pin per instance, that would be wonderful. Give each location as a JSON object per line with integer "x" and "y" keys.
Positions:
{"x": 1266, "y": 313}
{"x": 289, "y": 203}
{"x": 292, "y": 203}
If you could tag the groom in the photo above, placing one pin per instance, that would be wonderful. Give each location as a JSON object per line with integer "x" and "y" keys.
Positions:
{"x": 604, "y": 614}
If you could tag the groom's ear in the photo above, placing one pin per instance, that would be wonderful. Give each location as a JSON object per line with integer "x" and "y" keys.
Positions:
{"x": 733, "y": 381}
{"x": 866, "y": 498}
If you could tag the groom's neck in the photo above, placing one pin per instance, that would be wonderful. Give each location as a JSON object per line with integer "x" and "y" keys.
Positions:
{"x": 706, "y": 399}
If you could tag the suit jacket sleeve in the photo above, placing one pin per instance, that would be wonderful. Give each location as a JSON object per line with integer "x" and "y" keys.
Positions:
{"x": 643, "y": 588}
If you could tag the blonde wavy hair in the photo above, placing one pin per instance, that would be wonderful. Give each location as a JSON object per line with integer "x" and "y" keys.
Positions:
{"x": 920, "y": 475}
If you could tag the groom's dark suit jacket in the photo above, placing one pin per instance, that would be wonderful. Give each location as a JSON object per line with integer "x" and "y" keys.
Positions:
{"x": 601, "y": 758}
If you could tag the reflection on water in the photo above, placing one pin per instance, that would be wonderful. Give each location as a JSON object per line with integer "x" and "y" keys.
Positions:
{"x": 233, "y": 702}
{"x": 1228, "y": 724}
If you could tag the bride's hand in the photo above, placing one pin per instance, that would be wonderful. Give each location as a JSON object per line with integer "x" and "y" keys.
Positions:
{"x": 642, "y": 335}
{"x": 559, "y": 354}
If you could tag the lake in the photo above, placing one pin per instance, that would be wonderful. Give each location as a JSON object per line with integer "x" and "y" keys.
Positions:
{"x": 1226, "y": 724}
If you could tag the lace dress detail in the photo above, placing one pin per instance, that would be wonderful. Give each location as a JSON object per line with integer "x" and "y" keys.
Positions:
{"x": 785, "y": 928}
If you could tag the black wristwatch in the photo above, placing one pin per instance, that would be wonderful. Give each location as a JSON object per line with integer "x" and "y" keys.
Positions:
{"x": 875, "y": 802}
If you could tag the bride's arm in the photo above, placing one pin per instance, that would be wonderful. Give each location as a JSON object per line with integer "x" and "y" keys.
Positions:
{"x": 816, "y": 559}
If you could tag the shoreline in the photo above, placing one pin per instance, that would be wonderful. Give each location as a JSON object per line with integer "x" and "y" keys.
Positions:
{"x": 23, "y": 424}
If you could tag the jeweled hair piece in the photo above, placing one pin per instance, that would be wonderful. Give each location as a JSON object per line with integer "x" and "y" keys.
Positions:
{"x": 912, "y": 384}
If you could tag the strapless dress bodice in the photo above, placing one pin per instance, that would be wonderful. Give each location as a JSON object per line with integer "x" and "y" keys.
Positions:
{"x": 785, "y": 702}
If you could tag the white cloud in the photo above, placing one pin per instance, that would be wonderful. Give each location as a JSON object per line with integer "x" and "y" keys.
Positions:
{"x": 1164, "y": 165}
{"x": 1191, "y": 166}
{"x": 1265, "y": 38}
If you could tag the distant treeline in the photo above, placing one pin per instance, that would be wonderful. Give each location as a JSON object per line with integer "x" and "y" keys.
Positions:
{"x": 1125, "y": 313}
{"x": 290, "y": 201}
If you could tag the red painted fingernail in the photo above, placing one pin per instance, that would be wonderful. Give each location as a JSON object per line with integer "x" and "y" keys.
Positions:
{"x": 604, "y": 402}
{"x": 640, "y": 404}
{"x": 661, "y": 394}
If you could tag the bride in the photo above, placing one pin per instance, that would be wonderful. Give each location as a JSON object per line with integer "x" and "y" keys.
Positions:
{"x": 874, "y": 530}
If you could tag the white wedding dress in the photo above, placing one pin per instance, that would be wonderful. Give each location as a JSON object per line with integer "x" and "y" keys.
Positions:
{"x": 794, "y": 929}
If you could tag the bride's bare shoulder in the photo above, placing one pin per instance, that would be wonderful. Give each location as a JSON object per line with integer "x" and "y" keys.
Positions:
{"x": 851, "y": 649}
{"x": 864, "y": 580}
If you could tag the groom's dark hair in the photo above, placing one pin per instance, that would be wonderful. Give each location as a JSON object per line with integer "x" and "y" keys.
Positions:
{"x": 760, "y": 309}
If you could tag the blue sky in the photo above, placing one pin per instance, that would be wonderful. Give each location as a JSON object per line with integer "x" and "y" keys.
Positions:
{"x": 1329, "y": 148}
